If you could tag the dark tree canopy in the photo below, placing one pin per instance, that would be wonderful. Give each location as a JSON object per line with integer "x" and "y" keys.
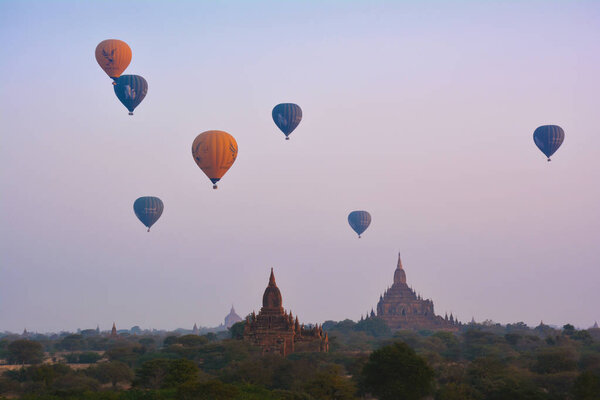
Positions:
{"x": 111, "y": 372}
{"x": 397, "y": 372}
{"x": 237, "y": 330}
{"x": 25, "y": 352}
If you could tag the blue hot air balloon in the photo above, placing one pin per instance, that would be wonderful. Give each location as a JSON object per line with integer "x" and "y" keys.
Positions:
{"x": 131, "y": 90}
{"x": 148, "y": 209}
{"x": 548, "y": 138}
{"x": 359, "y": 221}
{"x": 287, "y": 116}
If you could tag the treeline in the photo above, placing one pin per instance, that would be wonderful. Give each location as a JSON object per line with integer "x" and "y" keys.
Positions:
{"x": 366, "y": 361}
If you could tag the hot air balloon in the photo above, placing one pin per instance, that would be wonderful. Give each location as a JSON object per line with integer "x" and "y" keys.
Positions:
{"x": 148, "y": 210}
{"x": 548, "y": 138}
{"x": 359, "y": 221}
{"x": 113, "y": 56}
{"x": 215, "y": 153}
{"x": 131, "y": 90}
{"x": 287, "y": 116}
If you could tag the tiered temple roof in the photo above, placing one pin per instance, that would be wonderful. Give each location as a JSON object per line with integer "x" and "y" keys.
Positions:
{"x": 277, "y": 331}
{"x": 401, "y": 308}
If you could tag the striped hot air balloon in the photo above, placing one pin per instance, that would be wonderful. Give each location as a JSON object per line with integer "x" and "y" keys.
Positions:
{"x": 287, "y": 116}
{"x": 359, "y": 221}
{"x": 148, "y": 209}
{"x": 548, "y": 138}
{"x": 131, "y": 90}
{"x": 214, "y": 152}
{"x": 113, "y": 56}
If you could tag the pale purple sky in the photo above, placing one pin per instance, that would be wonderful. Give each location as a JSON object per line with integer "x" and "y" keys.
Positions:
{"x": 422, "y": 114}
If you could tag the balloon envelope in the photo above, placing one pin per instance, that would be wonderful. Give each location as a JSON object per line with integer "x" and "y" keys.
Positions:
{"x": 113, "y": 56}
{"x": 214, "y": 152}
{"x": 148, "y": 209}
{"x": 548, "y": 138}
{"x": 359, "y": 221}
{"x": 131, "y": 90}
{"x": 287, "y": 116}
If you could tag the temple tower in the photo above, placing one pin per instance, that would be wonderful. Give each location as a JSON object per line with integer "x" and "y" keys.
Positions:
{"x": 276, "y": 331}
{"x": 401, "y": 308}
{"x": 232, "y": 318}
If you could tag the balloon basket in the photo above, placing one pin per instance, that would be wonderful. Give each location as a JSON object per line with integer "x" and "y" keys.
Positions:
{"x": 549, "y": 159}
{"x": 130, "y": 113}
{"x": 148, "y": 230}
{"x": 215, "y": 187}
{"x": 287, "y": 138}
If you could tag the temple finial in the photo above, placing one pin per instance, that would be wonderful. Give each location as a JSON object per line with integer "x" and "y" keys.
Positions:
{"x": 272, "y": 279}
{"x": 399, "y": 274}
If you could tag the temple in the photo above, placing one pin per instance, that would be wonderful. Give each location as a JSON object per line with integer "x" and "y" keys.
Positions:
{"x": 231, "y": 318}
{"x": 401, "y": 308}
{"x": 277, "y": 331}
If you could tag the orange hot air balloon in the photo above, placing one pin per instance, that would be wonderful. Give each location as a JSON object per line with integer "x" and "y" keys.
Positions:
{"x": 113, "y": 56}
{"x": 215, "y": 153}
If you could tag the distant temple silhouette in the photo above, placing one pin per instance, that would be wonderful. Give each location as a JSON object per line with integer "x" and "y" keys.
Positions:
{"x": 401, "y": 308}
{"x": 232, "y": 318}
{"x": 276, "y": 330}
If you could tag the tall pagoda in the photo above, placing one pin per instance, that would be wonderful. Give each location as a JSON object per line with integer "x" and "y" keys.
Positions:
{"x": 401, "y": 308}
{"x": 277, "y": 331}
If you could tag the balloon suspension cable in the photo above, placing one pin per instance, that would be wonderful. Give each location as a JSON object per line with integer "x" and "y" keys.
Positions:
{"x": 130, "y": 113}
{"x": 215, "y": 186}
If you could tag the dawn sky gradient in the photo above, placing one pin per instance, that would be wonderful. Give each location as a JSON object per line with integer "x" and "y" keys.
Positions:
{"x": 421, "y": 113}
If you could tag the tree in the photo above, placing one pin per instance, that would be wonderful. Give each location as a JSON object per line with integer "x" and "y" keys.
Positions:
{"x": 180, "y": 371}
{"x": 331, "y": 385}
{"x": 164, "y": 373}
{"x": 587, "y": 386}
{"x": 373, "y": 326}
{"x": 568, "y": 329}
{"x": 25, "y": 352}
{"x": 237, "y": 330}
{"x": 111, "y": 372}
{"x": 127, "y": 353}
{"x": 72, "y": 342}
{"x": 397, "y": 372}
{"x": 211, "y": 390}
{"x": 89, "y": 357}
{"x": 191, "y": 340}
{"x": 550, "y": 361}
{"x": 147, "y": 342}
{"x": 170, "y": 340}
{"x": 72, "y": 384}
{"x": 152, "y": 373}
{"x": 455, "y": 391}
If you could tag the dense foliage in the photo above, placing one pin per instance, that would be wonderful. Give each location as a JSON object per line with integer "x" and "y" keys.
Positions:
{"x": 366, "y": 361}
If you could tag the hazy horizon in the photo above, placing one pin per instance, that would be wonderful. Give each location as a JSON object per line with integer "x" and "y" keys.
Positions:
{"x": 420, "y": 113}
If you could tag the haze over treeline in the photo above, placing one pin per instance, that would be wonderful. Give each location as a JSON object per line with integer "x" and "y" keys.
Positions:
{"x": 422, "y": 114}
